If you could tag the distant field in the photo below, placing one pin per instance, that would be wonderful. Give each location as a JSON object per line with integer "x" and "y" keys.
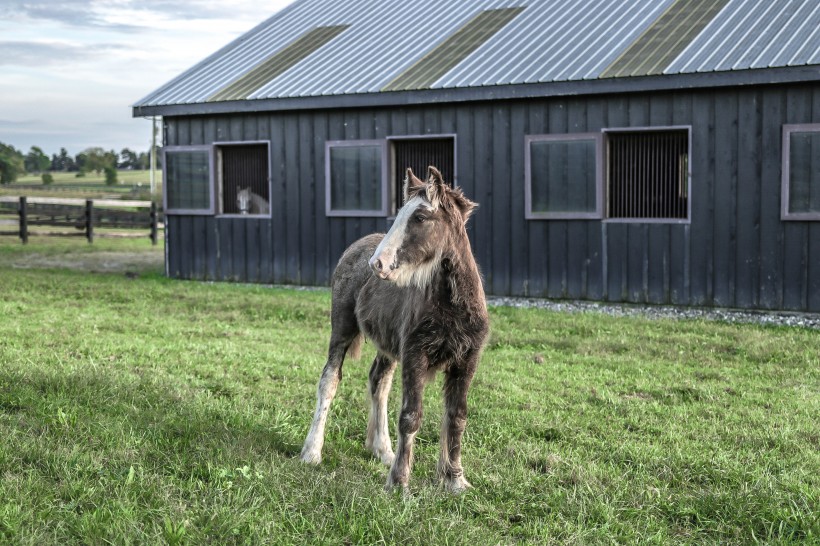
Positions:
{"x": 131, "y": 184}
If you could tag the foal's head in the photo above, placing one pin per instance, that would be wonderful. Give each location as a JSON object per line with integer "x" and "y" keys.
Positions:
{"x": 243, "y": 200}
{"x": 430, "y": 223}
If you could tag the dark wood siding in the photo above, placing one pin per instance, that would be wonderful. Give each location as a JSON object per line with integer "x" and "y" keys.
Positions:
{"x": 735, "y": 252}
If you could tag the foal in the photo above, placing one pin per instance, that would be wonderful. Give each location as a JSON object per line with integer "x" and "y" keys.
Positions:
{"x": 416, "y": 293}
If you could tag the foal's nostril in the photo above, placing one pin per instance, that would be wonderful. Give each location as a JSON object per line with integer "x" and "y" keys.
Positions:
{"x": 377, "y": 264}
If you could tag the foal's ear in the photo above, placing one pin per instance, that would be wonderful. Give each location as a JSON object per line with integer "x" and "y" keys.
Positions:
{"x": 465, "y": 206}
{"x": 435, "y": 186}
{"x": 410, "y": 182}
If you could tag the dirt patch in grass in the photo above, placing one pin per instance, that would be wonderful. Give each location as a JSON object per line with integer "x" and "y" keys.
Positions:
{"x": 100, "y": 262}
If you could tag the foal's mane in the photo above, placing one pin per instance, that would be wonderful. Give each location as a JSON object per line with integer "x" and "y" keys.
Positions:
{"x": 445, "y": 195}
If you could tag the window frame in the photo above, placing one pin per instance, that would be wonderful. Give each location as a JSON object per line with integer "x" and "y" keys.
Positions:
{"x": 785, "y": 186}
{"x": 210, "y": 211}
{"x": 597, "y": 138}
{"x": 605, "y": 178}
{"x": 385, "y": 190}
{"x": 216, "y": 179}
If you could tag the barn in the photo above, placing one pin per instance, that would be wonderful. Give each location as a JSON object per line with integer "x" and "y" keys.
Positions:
{"x": 647, "y": 151}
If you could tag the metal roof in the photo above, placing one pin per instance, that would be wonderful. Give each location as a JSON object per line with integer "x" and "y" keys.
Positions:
{"x": 377, "y": 43}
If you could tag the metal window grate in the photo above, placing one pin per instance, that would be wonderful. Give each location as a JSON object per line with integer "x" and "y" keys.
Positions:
{"x": 648, "y": 174}
{"x": 418, "y": 154}
{"x": 243, "y": 166}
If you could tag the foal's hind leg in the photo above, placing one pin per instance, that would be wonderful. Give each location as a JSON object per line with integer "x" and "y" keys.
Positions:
{"x": 378, "y": 388}
{"x": 331, "y": 375}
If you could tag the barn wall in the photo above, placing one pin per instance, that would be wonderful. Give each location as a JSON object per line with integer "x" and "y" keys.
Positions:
{"x": 735, "y": 253}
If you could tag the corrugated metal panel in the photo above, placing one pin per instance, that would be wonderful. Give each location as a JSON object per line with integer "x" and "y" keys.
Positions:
{"x": 755, "y": 34}
{"x": 278, "y": 63}
{"x": 665, "y": 38}
{"x": 453, "y": 50}
{"x": 556, "y": 40}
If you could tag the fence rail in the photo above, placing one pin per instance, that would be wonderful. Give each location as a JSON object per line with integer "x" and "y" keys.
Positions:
{"x": 82, "y": 215}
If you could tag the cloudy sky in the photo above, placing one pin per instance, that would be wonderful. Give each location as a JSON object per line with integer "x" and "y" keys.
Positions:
{"x": 71, "y": 69}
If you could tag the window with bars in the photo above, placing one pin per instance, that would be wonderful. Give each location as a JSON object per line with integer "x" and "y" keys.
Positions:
{"x": 418, "y": 154}
{"x": 648, "y": 175}
{"x": 243, "y": 178}
{"x": 800, "y": 199}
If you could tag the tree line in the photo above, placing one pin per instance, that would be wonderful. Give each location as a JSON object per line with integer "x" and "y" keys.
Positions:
{"x": 14, "y": 163}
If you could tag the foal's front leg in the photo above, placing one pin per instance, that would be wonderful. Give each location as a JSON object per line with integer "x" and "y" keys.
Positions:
{"x": 456, "y": 383}
{"x": 378, "y": 388}
{"x": 412, "y": 378}
{"x": 331, "y": 375}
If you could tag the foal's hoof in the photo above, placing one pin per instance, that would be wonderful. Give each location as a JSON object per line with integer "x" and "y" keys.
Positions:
{"x": 393, "y": 485}
{"x": 456, "y": 485}
{"x": 311, "y": 456}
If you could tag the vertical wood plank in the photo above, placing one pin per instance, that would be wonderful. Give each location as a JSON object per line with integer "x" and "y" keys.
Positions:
{"x": 278, "y": 201}
{"x": 519, "y": 232}
{"x": 725, "y": 235}
{"x": 501, "y": 173}
{"x": 747, "y": 249}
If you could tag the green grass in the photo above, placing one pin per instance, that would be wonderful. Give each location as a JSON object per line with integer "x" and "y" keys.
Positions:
{"x": 131, "y": 185}
{"x": 156, "y": 411}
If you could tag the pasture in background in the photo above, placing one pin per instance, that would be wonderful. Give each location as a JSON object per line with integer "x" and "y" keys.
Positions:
{"x": 83, "y": 206}
{"x": 131, "y": 184}
{"x": 139, "y": 409}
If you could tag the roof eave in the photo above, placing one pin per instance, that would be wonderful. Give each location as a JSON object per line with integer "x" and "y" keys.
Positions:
{"x": 809, "y": 73}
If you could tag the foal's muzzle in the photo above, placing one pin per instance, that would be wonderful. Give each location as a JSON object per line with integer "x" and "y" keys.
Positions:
{"x": 380, "y": 267}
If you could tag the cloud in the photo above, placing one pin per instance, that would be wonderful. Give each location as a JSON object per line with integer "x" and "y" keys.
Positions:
{"x": 39, "y": 54}
{"x": 111, "y": 14}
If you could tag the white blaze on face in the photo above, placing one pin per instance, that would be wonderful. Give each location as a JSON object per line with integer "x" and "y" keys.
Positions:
{"x": 383, "y": 261}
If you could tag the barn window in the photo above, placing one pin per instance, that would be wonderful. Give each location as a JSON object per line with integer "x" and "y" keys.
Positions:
{"x": 355, "y": 175}
{"x": 188, "y": 184}
{"x": 648, "y": 175}
{"x": 801, "y": 172}
{"x": 243, "y": 178}
{"x": 561, "y": 176}
{"x": 418, "y": 153}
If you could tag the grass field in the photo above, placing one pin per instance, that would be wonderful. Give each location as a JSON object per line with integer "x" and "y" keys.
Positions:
{"x": 146, "y": 410}
{"x": 131, "y": 185}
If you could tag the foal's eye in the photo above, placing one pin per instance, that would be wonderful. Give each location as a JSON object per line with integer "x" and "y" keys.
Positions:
{"x": 420, "y": 218}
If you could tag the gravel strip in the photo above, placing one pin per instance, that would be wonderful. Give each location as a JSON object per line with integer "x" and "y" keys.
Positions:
{"x": 768, "y": 318}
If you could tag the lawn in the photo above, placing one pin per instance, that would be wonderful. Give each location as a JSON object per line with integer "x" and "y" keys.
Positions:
{"x": 131, "y": 185}
{"x": 137, "y": 409}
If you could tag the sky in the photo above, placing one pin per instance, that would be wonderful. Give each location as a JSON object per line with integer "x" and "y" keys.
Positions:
{"x": 71, "y": 69}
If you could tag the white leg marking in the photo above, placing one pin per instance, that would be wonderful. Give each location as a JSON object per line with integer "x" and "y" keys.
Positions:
{"x": 378, "y": 434}
{"x": 312, "y": 449}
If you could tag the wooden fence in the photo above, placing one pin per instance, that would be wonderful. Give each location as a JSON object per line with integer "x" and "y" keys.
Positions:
{"x": 82, "y": 215}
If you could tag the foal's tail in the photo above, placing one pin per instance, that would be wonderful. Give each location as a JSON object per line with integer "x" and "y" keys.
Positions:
{"x": 354, "y": 350}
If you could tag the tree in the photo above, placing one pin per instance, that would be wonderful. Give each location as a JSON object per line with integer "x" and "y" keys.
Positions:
{"x": 36, "y": 161}
{"x": 63, "y": 162}
{"x": 48, "y": 179}
{"x": 12, "y": 164}
{"x": 110, "y": 175}
{"x": 129, "y": 159}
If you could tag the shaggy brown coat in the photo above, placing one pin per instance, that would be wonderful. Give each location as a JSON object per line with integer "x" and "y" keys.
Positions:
{"x": 416, "y": 293}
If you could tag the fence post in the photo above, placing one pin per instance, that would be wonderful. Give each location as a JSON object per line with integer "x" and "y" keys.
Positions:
{"x": 23, "y": 212}
{"x": 89, "y": 220}
{"x": 154, "y": 223}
